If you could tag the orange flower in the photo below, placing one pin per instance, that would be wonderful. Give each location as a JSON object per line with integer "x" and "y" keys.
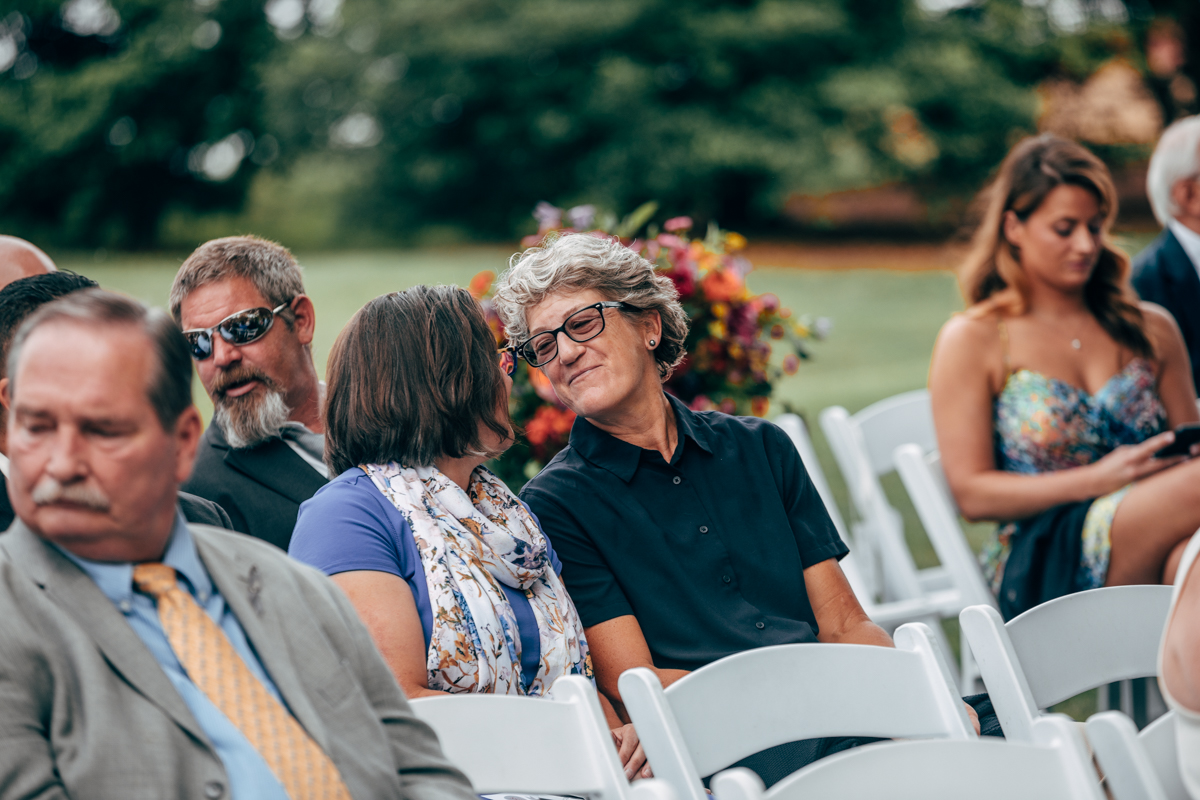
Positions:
{"x": 759, "y": 406}
{"x": 722, "y": 285}
{"x": 480, "y": 284}
{"x": 549, "y": 422}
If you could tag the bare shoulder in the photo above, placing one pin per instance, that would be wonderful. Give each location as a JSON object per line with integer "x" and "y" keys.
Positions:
{"x": 1161, "y": 328}
{"x": 969, "y": 334}
{"x": 1158, "y": 320}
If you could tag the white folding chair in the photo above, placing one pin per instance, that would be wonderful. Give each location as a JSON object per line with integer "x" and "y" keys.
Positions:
{"x": 1064, "y": 647}
{"x": 862, "y": 445}
{"x": 886, "y": 614}
{"x": 1137, "y": 766}
{"x": 761, "y": 698}
{"x": 925, "y": 483}
{"x": 1056, "y": 767}
{"x": 560, "y": 745}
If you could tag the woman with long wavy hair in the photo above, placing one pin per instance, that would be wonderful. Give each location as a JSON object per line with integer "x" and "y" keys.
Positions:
{"x": 1055, "y": 389}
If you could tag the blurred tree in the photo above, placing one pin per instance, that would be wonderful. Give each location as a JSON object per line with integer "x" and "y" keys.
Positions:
{"x": 116, "y": 114}
{"x": 111, "y": 112}
{"x": 470, "y": 111}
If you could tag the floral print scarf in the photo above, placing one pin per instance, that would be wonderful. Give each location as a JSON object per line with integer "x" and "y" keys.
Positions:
{"x": 470, "y": 543}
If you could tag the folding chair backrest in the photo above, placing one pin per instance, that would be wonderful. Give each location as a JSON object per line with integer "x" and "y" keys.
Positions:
{"x": 503, "y": 743}
{"x": 1055, "y": 768}
{"x": 862, "y": 445}
{"x": 748, "y": 702}
{"x": 921, "y": 472}
{"x": 1064, "y": 647}
{"x": 797, "y": 431}
{"x": 1137, "y": 767}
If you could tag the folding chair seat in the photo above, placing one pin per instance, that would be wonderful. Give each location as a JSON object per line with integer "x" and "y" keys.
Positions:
{"x": 1064, "y": 647}
{"x": 748, "y": 702}
{"x": 559, "y": 745}
{"x": 1055, "y": 767}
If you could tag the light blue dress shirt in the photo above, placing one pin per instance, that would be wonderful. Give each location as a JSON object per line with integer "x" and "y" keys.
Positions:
{"x": 249, "y": 776}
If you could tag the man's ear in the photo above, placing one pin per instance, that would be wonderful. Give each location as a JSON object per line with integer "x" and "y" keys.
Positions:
{"x": 188, "y": 430}
{"x": 5, "y": 400}
{"x": 306, "y": 318}
{"x": 1185, "y": 194}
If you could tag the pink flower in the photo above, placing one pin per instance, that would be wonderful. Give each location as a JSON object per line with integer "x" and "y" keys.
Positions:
{"x": 678, "y": 224}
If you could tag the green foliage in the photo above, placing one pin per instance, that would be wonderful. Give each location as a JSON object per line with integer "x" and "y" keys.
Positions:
{"x": 105, "y": 103}
{"x": 458, "y": 115}
{"x": 718, "y": 109}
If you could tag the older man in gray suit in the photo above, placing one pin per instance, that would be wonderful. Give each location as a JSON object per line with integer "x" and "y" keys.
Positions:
{"x": 142, "y": 657}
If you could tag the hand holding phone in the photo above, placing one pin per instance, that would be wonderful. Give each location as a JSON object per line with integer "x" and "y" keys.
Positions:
{"x": 1186, "y": 435}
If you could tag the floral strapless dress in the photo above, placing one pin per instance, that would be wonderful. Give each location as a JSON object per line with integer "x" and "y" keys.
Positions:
{"x": 1044, "y": 424}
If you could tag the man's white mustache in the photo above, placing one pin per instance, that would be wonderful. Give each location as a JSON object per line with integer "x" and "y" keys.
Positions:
{"x": 49, "y": 491}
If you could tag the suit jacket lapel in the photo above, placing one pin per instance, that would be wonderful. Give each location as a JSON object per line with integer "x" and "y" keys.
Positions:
{"x": 272, "y": 464}
{"x": 263, "y": 617}
{"x": 72, "y": 590}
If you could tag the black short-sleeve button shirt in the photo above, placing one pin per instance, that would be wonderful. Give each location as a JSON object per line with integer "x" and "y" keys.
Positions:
{"x": 707, "y": 551}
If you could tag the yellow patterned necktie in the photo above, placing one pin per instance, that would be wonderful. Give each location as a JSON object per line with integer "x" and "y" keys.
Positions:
{"x": 213, "y": 664}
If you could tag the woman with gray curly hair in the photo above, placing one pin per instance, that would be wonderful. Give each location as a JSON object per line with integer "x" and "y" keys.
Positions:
{"x": 685, "y": 536}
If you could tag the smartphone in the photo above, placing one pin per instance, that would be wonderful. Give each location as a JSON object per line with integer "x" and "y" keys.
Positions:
{"x": 1186, "y": 435}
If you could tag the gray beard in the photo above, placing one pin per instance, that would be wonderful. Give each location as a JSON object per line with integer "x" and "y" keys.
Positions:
{"x": 249, "y": 421}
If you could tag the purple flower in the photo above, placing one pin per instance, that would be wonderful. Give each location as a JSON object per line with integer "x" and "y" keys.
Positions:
{"x": 548, "y": 216}
{"x": 580, "y": 217}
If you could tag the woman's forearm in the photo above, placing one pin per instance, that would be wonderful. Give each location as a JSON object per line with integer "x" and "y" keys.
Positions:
{"x": 997, "y": 495}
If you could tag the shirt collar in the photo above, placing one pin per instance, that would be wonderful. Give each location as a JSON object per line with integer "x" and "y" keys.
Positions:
{"x": 622, "y": 458}
{"x": 1189, "y": 240}
{"x": 4, "y": 465}
{"x": 116, "y": 579}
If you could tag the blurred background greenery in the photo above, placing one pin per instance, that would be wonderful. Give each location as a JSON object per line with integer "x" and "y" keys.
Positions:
{"x": 330, "y": 123}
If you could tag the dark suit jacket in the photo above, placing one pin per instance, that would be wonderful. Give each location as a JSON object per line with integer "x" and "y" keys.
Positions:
{"x": 195, "y": 509}
{"x": 1163, "y": 274}
{"x": 260, "y": 487}
{"x": 86, "y": 712}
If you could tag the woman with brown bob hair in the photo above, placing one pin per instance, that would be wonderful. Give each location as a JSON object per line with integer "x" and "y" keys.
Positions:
{"x": 1055, "y": 389}
{"x": 449, "y": 570}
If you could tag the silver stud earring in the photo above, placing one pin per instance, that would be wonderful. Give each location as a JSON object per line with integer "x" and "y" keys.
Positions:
{"x": 652, "y": 343}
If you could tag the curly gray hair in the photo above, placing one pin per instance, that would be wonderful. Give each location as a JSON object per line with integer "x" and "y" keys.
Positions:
{"x": 579, "y": 261}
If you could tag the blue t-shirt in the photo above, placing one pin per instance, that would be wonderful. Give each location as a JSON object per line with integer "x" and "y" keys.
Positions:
{"x": 349, "y": 525}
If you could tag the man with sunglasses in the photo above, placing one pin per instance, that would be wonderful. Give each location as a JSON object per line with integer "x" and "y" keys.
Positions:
{"x": 249, "y": 327}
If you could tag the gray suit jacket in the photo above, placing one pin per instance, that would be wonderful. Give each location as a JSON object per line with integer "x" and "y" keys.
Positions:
{"x": 87, "y": 712}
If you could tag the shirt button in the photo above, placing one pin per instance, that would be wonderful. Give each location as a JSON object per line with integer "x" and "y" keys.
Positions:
{"x": 759, "y": 625}
{"x": 125, "y": 606}
{"x": 726, "y": 578}
{"x": 704, "y": 529}
{"x": 677, "y": 480}
{"x": 213, "y": 790}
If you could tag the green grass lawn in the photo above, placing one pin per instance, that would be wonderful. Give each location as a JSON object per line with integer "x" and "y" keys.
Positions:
{"x": 885, "y": 323}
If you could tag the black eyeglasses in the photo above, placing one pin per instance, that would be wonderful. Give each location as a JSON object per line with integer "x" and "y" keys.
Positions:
{"x": 237, "y": 329}
{"x": 508, "y": 361}
{"x": 584, "y": 325}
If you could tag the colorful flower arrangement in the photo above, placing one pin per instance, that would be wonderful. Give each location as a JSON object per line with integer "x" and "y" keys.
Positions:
{"x": 728, "y": 366}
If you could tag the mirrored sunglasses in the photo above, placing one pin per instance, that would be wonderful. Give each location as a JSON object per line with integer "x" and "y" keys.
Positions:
{"x": 237, "y": 329}
{"x": 508, "y": 361}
